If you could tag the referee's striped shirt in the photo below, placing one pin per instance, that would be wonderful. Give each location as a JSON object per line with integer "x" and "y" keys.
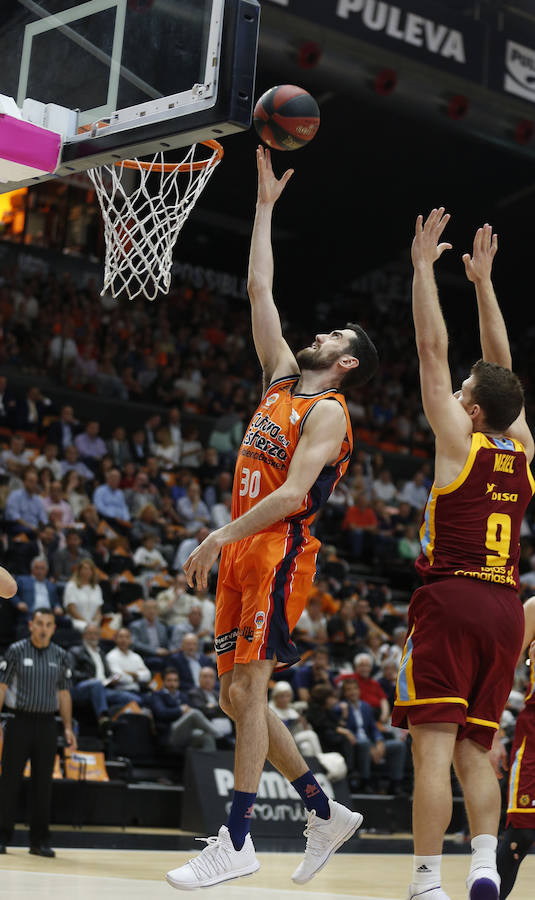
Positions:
{"x": 34, "y": 675}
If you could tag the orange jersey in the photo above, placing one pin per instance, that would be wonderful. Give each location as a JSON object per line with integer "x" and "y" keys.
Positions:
{"x": 270, "y": 442}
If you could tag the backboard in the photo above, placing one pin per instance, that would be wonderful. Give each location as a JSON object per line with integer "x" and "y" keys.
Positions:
{"x": 155, "y": 74}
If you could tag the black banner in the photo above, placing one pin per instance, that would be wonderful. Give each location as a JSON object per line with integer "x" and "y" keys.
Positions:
{"x": 513, "y": 62}
{"x": 419, "y": 29}
{"x": 278, "y": 810}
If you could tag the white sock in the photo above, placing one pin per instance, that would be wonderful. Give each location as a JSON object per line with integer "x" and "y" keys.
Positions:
{"x": 483, "y": 852}
{"x": 426, "y": 870}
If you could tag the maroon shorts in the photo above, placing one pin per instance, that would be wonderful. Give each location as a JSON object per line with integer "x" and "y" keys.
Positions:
{"x": 463, "y": 641}
{"x": 521, "y": 795}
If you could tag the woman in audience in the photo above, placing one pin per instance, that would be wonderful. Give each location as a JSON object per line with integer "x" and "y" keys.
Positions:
{"x": 83, "y": 596}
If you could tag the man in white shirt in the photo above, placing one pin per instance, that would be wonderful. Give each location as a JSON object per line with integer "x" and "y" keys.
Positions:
{"x": 415, "y": 492}
{"x": 49, "y": 459}
{"x": 221, "y": 512}
{"x": 129, "y": 666}
{"x": 175, "y": 603}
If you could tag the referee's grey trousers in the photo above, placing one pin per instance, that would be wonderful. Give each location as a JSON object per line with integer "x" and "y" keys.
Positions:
{"x": 30, "y": 736}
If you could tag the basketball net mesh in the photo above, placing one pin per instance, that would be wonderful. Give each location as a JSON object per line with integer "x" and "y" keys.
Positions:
{"x": 142, "y": 224}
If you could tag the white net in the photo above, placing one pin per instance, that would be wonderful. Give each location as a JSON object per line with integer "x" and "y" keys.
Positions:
{"x": 142, "y": 223}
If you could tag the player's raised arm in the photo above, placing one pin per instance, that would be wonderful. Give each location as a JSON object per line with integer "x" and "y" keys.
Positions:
{"x": 274, "y": 354}
{"x": 445, "y": 415}
{"x": 492, "y": 329}
{"x": 493, "y": 333}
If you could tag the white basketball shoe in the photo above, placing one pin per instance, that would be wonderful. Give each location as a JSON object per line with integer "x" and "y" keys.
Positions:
{"x": 432, "y": 892}
{"x": 324, "y": 837}
{"x": 218, "y": 862}
{"x": 483, "y": 884}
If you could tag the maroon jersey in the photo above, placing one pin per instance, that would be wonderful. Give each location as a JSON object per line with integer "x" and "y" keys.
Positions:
{"x": 471, "y": 527}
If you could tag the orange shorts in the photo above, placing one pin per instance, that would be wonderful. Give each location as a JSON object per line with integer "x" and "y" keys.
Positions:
{"x": 262, "y": 588}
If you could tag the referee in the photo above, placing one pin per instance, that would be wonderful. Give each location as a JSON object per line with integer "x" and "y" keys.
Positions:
{"x": 36, "y": 677}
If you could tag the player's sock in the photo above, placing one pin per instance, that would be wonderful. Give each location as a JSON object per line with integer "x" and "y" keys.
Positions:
{"x": 425, "y": 872}
{"x": 312, "y": 795}
{"x": 239, "y": 819}
{"x": 483, "y": 852}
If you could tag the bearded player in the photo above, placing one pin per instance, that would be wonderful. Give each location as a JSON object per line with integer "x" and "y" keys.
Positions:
{"x": 466, "y": 622}
{"x": 296, "y": 448}
{"x": 519, "y": 834}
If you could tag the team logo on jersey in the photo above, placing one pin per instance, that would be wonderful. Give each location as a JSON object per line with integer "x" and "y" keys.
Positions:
{"x": 490, "y": 487}
{"x": 272, "y": 399}
{"x": 524, "y": 800}
{"x": 294, "y": 417}
{"x": 259, "y": 619}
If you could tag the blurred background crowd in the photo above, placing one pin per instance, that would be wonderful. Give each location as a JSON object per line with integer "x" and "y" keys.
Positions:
{"x": 98, "y": 518}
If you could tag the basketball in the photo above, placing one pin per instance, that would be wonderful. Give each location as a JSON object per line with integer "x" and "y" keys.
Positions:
{"x": 286, "y": 117}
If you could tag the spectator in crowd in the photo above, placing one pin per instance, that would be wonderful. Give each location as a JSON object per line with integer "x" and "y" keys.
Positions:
{"x": 65, "y": 561}
{"x": 8, "y": 404}
{"x": 110, "y": 501}
{"x": 311, "y": 628}
{"x": 90, "y": 446}
{"x": 72, "y": 462}
{"x": 192, "y": 449}
{"x": 93, "y": 682}
{"x": 74, "y": 492}
{"x": 371, "y": 691}
{"x": 187, "y": 546}
{"x": 393, "y": 648}
{"x": 166, "y": 452}
{"x": 205, "y": 697}
{"x": 17, "y": 457}
{"x": 128, "y": 665}
{"x": 36, "y": 591}
{"x": 49, "y": 459}
{"x": 192, "y": 509}
{"x": 140, "y": 495}
{"x": 341, "y": 632}
{"x": 317, "y": 671}
{"x": 44, "y": 544}
{"x": 324, "y": 717}
{"x": 221, "y": 513}
{"x": 280, "y": 702}
{"x": 322, "y": 589}
{"x": 25, "y": 510}
{"x": 409, "y": 546}
{"x": 388, "y": 680}
{"x": 189, "y": 661}
{"x": 414, "y": 492}
{"x": 178, "y": 724}
{"x": 148, "y": 561}
{"x": 63, "y": 431}
{"x": 174, "y": 603}
{"x": 370, "y": 746}
{"x": 175, "y": 430}
{"x": 118, "y": 447}
{"x": 192, "y": 625}
{"x": 139, "y": 446}
{"x": 82, "y": 598}
{"x": 31, "y": 410}
{"x": 150, "y": 637}
{"x": 360, "y": 525}
{"x": 55, "y": 502}
{"x": 384, "y": 488}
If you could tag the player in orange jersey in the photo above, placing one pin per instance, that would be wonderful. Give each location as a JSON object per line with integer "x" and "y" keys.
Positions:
{"x": 466, "y": 623}
{"x": 296, "y": 448}
{"x": 519, "y": 835}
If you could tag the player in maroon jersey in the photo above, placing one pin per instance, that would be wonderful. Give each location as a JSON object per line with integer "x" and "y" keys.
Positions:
{"x": 519, "y": 834}
{"x": 466, "y": 622}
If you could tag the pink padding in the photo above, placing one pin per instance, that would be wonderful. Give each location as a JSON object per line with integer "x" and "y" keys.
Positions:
{"x": 29, "y": 145}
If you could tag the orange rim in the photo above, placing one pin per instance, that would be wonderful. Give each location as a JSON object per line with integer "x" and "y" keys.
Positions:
{"x": 173, "y": 167}
{"x": 166, "y": 167}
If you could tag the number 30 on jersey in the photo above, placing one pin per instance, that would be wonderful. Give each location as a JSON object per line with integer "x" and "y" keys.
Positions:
{"x": 250, "y": 483}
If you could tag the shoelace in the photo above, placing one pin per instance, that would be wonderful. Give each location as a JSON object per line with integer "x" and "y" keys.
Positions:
{"x": 316, "y": 839}
{"x": 212, "y": 860}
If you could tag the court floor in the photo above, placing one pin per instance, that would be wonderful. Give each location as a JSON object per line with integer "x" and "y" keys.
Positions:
{"x": 137, "y": 875}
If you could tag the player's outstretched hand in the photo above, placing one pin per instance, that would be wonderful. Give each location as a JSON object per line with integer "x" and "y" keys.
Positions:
{"x": 426, "y": 248}
{"x": 269, "y": 187}
{"x": 200, "y": 561}
{"x": 478, "y": 267}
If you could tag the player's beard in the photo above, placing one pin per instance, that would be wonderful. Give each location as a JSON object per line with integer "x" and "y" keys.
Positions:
{"x": 316, "y": 360}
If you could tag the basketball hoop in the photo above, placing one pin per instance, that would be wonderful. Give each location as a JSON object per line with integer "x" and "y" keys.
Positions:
{"x": 142, "y": 224}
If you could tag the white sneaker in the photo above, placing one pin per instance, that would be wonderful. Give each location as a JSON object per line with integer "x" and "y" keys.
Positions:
{"x": 433, "y": 892}
{"x": 483, "y": 884}
{"x": 219, "y": 861}
{"x": 324, "y": 837}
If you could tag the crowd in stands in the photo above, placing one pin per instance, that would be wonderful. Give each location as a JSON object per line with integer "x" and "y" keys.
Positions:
{"x": 97, "y": 526}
